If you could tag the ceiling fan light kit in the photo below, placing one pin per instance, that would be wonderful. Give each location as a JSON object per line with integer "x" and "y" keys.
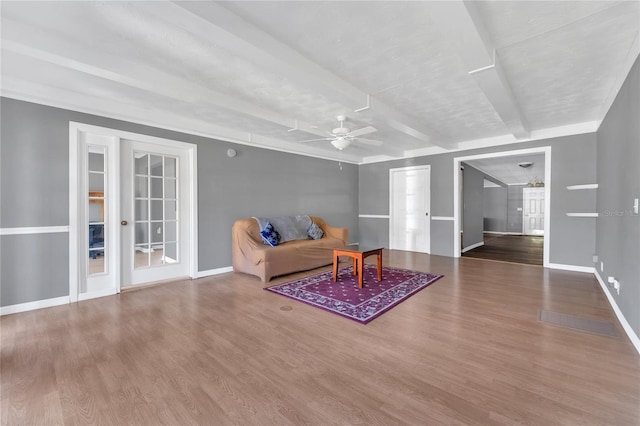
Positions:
{"x": 341, "y": 144}
{"x": 341, "y": 137}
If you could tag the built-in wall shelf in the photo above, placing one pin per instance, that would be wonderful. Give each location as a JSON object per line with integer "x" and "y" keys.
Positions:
{"x": 582, "y": 214}
{"x": 587, "y": 186}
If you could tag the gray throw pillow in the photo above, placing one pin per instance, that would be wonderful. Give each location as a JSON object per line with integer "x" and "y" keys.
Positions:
{"x": 314, "y": 231}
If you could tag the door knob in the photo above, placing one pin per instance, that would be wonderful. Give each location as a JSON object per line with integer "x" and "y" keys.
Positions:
{"x": 124, "y": 223}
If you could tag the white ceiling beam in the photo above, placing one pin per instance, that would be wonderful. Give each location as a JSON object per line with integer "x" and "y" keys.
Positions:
{"x": 74, "y": 56}
{"x": 120, "y": 109}
{"x": 214, "y": 22}
{"x": 141, "y": 77}
{"x": 460, "y": 22}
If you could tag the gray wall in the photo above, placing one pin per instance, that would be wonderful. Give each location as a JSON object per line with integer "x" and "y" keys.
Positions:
{"x": 34, "y": 183}
{"x": 495, "y": 209}
{"x": 573, "y": 161}
{"x": 514, "y": 202}
{"x": 618, "y": 227}
{"x": 473, "y": 206}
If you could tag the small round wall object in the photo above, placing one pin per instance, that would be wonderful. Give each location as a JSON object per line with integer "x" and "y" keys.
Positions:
{"x": 231, "y": 153}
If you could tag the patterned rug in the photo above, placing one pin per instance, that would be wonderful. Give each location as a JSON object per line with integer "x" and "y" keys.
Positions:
{"x": 346, "y": 299}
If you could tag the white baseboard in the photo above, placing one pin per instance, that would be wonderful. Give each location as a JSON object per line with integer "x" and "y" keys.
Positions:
{"x": 96, "y": 294}
{"x": 30, "y": 306}
{"x": 623, "y": 321}
{"x": 217, "y": 271}
{"x": 471, "y": 247}
{"x": 503, "y": 233}
{"x": 574, "y": 268}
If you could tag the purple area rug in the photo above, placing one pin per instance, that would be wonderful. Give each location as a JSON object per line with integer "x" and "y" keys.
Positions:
{"x": 346, "y": 299}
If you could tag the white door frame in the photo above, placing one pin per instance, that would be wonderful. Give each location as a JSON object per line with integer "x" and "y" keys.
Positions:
{"x": 546, "y": 150}
{"x": 76, "y": 197}
{"x": 391, "y": 210}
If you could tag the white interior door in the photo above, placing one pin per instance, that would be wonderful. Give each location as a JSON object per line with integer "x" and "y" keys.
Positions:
{"x": 155, "y": 218}
{"x": 409, "y": 221}
{"x": 533, "y": 211}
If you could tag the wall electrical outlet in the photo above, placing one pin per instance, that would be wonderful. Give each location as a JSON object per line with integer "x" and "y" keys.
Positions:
{"x": 595, "y": 258}
{"x": 615, "y": 284}
{"x": 601, "y": 266}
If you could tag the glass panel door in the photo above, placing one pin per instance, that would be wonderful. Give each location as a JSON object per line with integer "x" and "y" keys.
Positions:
{"x": 155, "y": 215}
{"x": 155, "y": 210}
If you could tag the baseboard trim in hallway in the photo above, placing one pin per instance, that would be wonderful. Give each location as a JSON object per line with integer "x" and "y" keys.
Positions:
{"x": 616, "y": 309}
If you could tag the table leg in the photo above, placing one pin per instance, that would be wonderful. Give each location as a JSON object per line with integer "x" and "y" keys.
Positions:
{"x": 361, "y": 271}
{"x": 379, "y": 265}
{"x": 335, "y": 268}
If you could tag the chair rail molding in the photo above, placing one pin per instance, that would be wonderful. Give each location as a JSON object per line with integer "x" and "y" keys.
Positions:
{"x": 34, "y": 230}
{"x": 374, "y": 216}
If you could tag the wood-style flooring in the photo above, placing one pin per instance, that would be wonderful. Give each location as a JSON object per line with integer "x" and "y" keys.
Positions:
{"x": 510, "y": 248}
{"x": 467, "y": 350}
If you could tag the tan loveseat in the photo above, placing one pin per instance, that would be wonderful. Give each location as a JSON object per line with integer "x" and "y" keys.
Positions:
{"x": 252, "y": 256}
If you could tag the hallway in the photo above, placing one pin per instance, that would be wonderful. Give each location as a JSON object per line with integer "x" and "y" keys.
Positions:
{"x": 525, "y": 249}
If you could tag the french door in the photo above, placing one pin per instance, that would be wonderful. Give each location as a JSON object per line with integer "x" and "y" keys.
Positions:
{"x": 155, "y": 212}
{"x": 410, "y": 202}
{"x": 132, "y": 214}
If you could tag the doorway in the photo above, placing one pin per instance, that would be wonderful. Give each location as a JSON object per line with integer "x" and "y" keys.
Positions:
{"x": 132, "y": 210}
{"x": 410, "y": 202}
{"x": 494, "y": 228}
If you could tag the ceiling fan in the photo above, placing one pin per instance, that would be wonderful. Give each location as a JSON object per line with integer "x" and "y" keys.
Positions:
{"x": 341, "y": 137}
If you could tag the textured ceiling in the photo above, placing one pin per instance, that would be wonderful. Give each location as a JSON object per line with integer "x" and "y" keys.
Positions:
{"x": 507, "y": 170}
{"x": 250, "y": 72}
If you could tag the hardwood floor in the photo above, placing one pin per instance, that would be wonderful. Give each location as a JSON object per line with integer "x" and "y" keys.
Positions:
{"x": 510, "y": 248}
{"x": 468, "y": 349}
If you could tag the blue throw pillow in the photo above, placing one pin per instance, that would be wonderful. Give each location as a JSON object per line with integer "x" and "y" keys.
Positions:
{"x": 315, "y": 232}
{"x": 270, "y": 236}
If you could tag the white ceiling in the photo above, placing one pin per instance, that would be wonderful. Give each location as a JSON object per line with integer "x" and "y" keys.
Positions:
{"x": 250, "y": 72}
{"x": 507, "y": 170}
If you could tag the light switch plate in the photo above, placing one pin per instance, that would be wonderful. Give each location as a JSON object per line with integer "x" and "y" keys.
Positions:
{"x": 635, "y": 206}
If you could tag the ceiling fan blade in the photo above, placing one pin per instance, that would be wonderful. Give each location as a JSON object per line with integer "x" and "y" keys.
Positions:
{"x": 363, "y": 131}
{"x": 368, "y": 142}
{"x": 315, "y": 140}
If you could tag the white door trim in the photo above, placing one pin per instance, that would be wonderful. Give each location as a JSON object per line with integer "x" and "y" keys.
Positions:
{"x": 426, "y": 167}
{"x": 75, "y": 196}
{"x": 546, "y": 150}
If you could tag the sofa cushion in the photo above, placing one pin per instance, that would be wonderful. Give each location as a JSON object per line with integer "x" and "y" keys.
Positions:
{"x": 315, "y": 232}
{"x": 270, "y": 236}
{"x": 290, "y": 228}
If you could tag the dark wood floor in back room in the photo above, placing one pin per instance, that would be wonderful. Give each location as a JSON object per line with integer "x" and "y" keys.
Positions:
{"x": 467, "y": 350}
{"x": 510, "y": 248}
